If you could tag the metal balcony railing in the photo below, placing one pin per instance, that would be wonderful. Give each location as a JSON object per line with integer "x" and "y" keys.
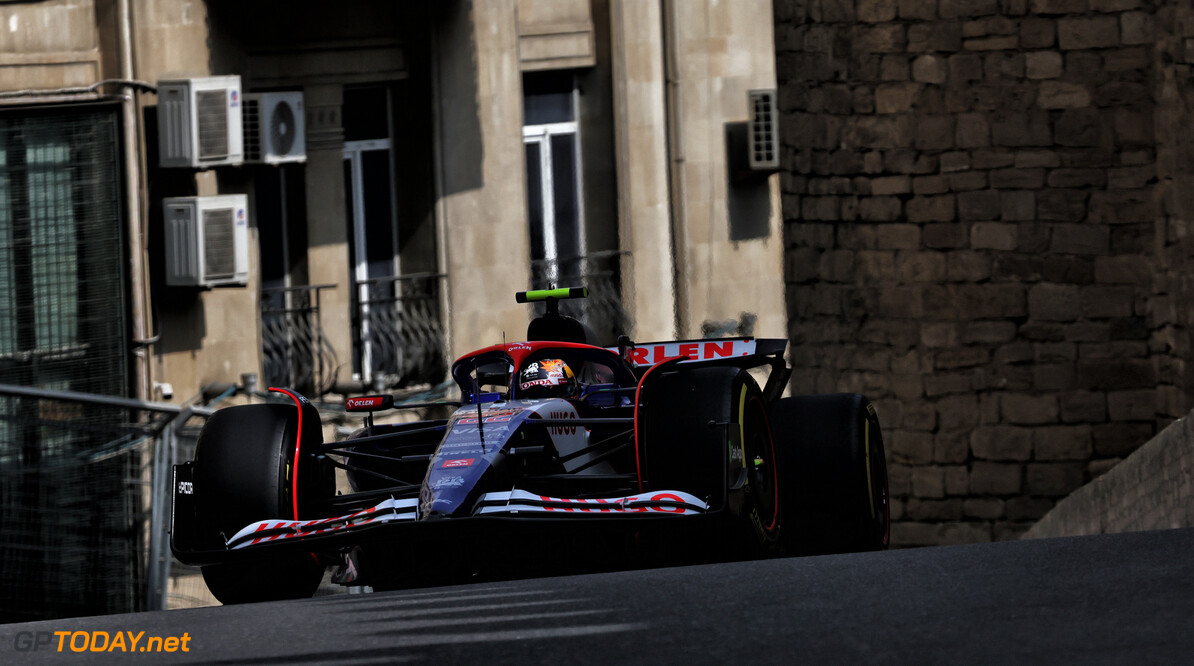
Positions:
{"x": 294, "y": 350}
{"x": 602, "y": 311}
{"x": 402, "y": 335}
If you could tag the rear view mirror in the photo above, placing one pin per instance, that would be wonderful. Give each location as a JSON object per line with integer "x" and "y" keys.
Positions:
{"x": 369, "y": 403}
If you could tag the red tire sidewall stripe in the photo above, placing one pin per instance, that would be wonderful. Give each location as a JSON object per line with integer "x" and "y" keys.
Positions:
{"x": 298, "y": 443}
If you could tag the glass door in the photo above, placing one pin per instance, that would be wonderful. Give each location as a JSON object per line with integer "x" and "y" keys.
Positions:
{"x": 373, "y": 246}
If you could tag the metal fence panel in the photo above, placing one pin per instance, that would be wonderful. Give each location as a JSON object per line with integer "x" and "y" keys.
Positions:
{"x": 84, "y": 503}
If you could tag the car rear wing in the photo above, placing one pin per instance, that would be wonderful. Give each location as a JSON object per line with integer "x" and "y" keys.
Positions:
{"x": 647, "y": 354}
{"x": 736, "y": 352}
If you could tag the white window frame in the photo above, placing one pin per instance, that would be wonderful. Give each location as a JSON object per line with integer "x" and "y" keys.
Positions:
{"x": 360, "y": 270}
{"x": 542, "y": 135}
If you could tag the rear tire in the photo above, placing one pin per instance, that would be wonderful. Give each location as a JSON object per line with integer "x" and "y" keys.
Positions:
{"x": 242, "y": 464}
{"x": 706, "y": 432}
{"x": 834, "y": 471}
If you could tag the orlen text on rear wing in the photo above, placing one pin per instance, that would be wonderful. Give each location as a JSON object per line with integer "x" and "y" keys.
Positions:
{"x": 737, "y": 352}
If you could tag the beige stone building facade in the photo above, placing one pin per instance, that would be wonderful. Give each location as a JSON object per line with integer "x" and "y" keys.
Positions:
{"x": 455, "y": 153}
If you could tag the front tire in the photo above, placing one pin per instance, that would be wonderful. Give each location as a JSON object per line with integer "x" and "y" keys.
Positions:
{"x": 243, "y": 462}
{"x": 706, "y": 432}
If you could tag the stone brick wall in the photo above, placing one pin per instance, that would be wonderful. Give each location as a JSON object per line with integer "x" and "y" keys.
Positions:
{"x": 1153, "y": 489}
{"x": 1172, "y": 314}
{"x": 970, "y": 191}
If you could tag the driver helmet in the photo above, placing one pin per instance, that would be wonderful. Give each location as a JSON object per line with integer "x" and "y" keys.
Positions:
{"x": 547, "y": 378}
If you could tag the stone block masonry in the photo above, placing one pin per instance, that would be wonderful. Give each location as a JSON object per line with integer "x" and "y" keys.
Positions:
{"x": 1152, "y": 489}
{"x": 987, "y": 210}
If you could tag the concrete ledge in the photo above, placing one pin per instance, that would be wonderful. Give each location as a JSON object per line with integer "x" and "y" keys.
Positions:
{"x": 1151, "y": 489}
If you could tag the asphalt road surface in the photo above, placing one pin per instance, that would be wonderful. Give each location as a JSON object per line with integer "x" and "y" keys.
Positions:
{"x": 1114, "y": 599}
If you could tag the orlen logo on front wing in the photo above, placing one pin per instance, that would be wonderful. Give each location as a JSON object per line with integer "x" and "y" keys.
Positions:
{"x": 458, "y": 462}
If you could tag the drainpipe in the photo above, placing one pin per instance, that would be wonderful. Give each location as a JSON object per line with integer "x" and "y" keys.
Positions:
{"x": 133, "y": 205}
{"x": 441, "y": 208}
{"x": 675, "y": 165}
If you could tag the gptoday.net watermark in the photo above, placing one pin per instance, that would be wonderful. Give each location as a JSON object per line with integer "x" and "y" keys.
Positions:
{"x": 99, "y": 641}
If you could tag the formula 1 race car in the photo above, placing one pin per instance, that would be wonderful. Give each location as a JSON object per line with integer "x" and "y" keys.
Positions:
{"x": 561, "y": 456}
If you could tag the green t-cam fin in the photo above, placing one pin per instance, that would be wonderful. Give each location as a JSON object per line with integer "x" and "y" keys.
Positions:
{"x": 544, "y": 294}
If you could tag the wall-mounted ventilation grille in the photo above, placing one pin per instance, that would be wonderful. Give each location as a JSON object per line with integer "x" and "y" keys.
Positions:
{"x": 763, "y": 131}
{"x": 251, "y": 120}
{"x": 219, "y": 241}
{"x": 213, "y": 124}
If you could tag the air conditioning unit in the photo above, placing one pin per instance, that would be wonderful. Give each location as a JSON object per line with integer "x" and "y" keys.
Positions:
{"x": 762, "y": 131}
{"x": 274, "y": 128}
{"x": 199, "y": 123}
{"x": 207, "y": 240}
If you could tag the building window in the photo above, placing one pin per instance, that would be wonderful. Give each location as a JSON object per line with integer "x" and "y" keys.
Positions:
{"x": 396, "y": 322}
{"x": 550, "y": 136}
{"x": 560, "y": 252}
{"x": 281, "y": 215}
{"x": 294, "y": 351}
{"x": 62, "y": 307}
{"x": 372, "y": 218}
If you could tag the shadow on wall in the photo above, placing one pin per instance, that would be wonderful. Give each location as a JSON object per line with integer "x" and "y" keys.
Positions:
{"x": 748, "y": 195}
{"x": 180, "y": 308}
{"x": 460, "y": 123}
{"x": 438, "y": 52}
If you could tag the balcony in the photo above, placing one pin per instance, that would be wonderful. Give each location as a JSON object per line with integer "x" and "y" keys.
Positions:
{"x": 400, "y": 331}
{"x": 294, "y": 350}
{"x": 602, "y": 311}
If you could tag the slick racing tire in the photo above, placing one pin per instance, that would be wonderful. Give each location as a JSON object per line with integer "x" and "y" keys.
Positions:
{"x": 242, "y": 464}
{"x": 705, "y": 431}
{"x": 832, "y": 463}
